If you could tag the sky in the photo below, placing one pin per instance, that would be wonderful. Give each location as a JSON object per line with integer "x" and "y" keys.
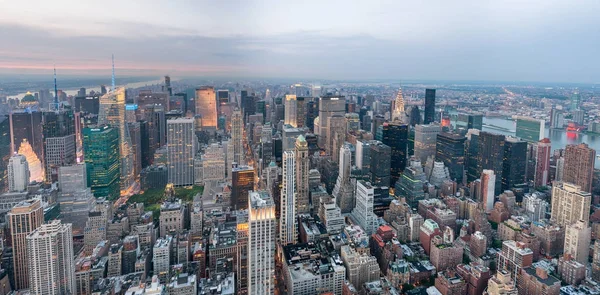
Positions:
{"x": 535, "y": 40}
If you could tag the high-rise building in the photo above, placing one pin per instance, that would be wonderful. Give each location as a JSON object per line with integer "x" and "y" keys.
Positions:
{"x": 575, "y": 101}
{"x": 50, "y": 259}
{"x": 101, "y": 150}
{"x": 112, "y": 113}
{"x": 579, "y": 165}
{"x": 236, "y": 137}
{"x": 450, "y": 149}
{"x": 425, "y": 141}
{"x": 514, "y": 164}
{"x": 514, "y": 257}
{"x": 491, "y": 156}
{"x": 395, "y": 136}
{"x": 261, "y": 236}
{"x": 577, "y": 241}
{"x": 542, "y": 163}
{"x": 488, "y": 183}
{"x": 287, "y": 227}
{"x": 136, "y": 147}
{"x": 18, "y": 173}
{"x": 398, "y": 111}
{"x": 329, "y": 106}
{"x": 161, "y": 257}
{"x": 290, "y": 110}
{"x": 59, "y": 142}
{"x": 569, "y": 204}
{"x": 363, "y": 211}
{"x": 206, "y": 107}
{"x": 470, "y": 121}
{"x": 23, "y": 219}
{"x": 242, "y": 181}
{"x": 530, "y": 129}
{"x": 343, "y": 191}
{"x": 75, "y": 197}
{"x": 181, "y": 149}
{"x": 472, "y": 155}
{"x": 302, "y": 169}
{"x": 223, "y": 96}
{"x": 410, "y": 184}
{"x": 26, "y": 129}
{"x": 429, "y": 106}
{"x": 361, "y": 267}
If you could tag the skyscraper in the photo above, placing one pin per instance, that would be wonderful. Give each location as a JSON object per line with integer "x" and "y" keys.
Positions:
{"x": 112, "y": 113}
{"x": 50, "y": 259}
{"x": 18, "y": 173}
{"x": 261, "y": 236}
{"x": 363, "y": 211}
{"x": 26, "y": 133}
{"x": 181, "y": 149}
{"x": 290, "y": 112}
{"x": 287, "y": 227}
{"x": 470, "y": 121}
{"x": 23, "y": 219}
{"x": 491, "y": 156}
{"x": 395, "y": 136}
{"x": 514, "y": 164}
{"x": 206, "y": 107}
{"x": 101, "y": 150}
{"x": 530, "y": 129}
{"x": 398, "y": 112}
{"x": 429, "y": 106}
{"x": 450, "y": 149}
{"x": 569, "y": 204}
{"x": 236, "y": 137}
{"x": 579, "y": 165}
{"x": 59, "y": 142}
{"x": 329, "y": 106}
{"x": 488, "y": 182}
{"x": 302, "y": 169}
{"x": 343, "y": 191}
{"x": 577, "y": 241}
{"x": 425, "y": 141}
{"x": 242, "y": 181}
{"x": 381, "y": 159}
{"x": 542, "y": 163}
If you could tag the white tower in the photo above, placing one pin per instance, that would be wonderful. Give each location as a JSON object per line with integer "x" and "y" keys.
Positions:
{"x": 18, "y": 173}
{"x": 287, "y": 227}
{"x": 261, "y": 237}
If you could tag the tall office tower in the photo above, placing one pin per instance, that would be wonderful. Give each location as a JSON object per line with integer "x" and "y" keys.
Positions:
{"x": 395, "y": 136}
{"x": 575, "y": 101}
{"x": 206, "y": 107}
{"x": 381, "y": 159}
{"x": 415, "y": 116}
{"x": 488, "y": 182}
{"x": 287, "y": 228}
{"x": 302, "y": 169}
{"x": 530, "y": 129}
{"x": 18, "y": 173}
{"x": 425, "y": 140}
{"x": 343, "y": 192}
{"x": 112, "y": 113}
{"x": 429, "y": 106}
{"x": 242, "y": 181}
{"x": 352, "y": 122}
{"x": 237, "y": 132}
{"x": 336, "y": 135}
{"x": 301, "y": 103}
{"x": 23, "y": 219}
{"x": 577, "y": 241}
{"x": 398, "y": 112}
{"x": 181, "y": 149}
{"x": 363, "y": 211}
{"x": 223, "y": 96}
{"x": 168, "y": 87}
{"x": 312, "y": 112}
{"x": 472, "y": 155}
{"x": 470, "y": 121}
{"x": 75, "y": 198}
{"x": 59, "y": 142}
{"x": 135, "y": 131}
{"x": 450, "y": 150}
{"x": 514, "y": 166}
{"x": 96, "y": 225}
{"x": 542, "y": 163}
{"x": 329, "y": 106}
{"x": 27, "y": 139}
{"x": 261, "y": 235}
{"x": 50, "y": 259}
{"x": 5, "y": 151}
{"x": 579, "y": 165}
{"x": 290, "y": 111}
{"x": 491, "y": 156}
{"x": 101, "y": 149}
{"x": 569, "y": 204}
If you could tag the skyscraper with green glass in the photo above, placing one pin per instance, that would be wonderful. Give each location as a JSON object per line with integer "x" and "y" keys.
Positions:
{"x": 101, "y": 152}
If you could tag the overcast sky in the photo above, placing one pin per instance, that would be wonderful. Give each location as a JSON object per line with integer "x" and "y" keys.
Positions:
{"x": 541, "y": 40}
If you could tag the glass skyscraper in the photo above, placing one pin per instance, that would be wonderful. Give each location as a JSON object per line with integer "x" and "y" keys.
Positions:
{"x": 450, "y": 149}
{"x": 530, "y": 129}
{"x": 515, "y": 163}
{"x": 101, "y": 149}
{"x": 491, "y": 156}
{"x": 429, "y": 106}
{"x": 395, "y": 135}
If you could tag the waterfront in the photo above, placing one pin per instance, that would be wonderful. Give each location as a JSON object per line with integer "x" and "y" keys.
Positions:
{"x": 73, "y": 91}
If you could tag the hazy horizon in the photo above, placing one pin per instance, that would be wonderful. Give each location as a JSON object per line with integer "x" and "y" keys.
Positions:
{"x": 536, "y": 41}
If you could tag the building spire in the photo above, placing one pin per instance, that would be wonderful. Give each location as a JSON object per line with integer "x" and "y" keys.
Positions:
{"x": 113, "y": 72}
{"x": 55, "y": 89}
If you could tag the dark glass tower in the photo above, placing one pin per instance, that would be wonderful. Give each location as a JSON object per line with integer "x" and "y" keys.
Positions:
{"x": 429, "y": 106}
{"x": 395, "y": 135}
{"x": 471, "y": 157}
{"x": 515, "y": 163}
{"x": 242, "y": 182}
{"x": 380, "y": 164}
{"x": 59, "y": 142}
{"x": 102, "y": 158}
{"x": 415, "y": 116}
{"x": 491, "y": 156}
{"x": 450, "y": 149}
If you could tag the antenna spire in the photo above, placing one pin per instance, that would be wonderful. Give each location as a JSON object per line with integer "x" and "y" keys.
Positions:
{"x": 55, "y": 88}
{"x": 113, "y": 72}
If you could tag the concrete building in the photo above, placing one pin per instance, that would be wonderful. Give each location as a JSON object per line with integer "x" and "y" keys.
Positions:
{"x": 542, "y": 163}
{"x": 18, "y": 173}
{"x": 161, "y": 257}
{"x": 288, "y": 232}
{"x": 301, "y": 174}
{"x": 236, "y": 137}
{"x": 183, "y": 284}
{"x": 488, "y": 184}
{"x": 360, "y": 268}
{"x": 114, "y": 260}
{"x": 171, "y": 217}
{"x": 425, "y": 141}
{"x": 579, "y": 166}
{"x": 577, "y": 241}
{"x": 261, "y": 233}
{"x": 331, "y": 215}
{"x": 475, "y": 275}
{"x": 501, "y": 284}
{"x": 50, "y": 259}
{"x": 181, "y": 149}
{"x": 570, "y": 271}
{"x": 535, "y": 281}
{"x": 444, "y": 255}
{"x": 206, "y": 107}
{"x": 514, "y": 257}
{"x": 23, "y": 219}
{"x": 363, "y": 211}
{"x": 450, "y": 283}
{"x": 569, "y": 204}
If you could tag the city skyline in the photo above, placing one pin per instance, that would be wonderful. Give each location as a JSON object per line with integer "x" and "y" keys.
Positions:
{"x": 438, "y": 41}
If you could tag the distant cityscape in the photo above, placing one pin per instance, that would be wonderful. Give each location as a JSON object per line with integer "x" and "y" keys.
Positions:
{"x": 182, "y": 186}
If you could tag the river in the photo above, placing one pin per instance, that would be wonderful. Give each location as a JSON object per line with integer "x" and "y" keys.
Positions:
{"x": 558, "y": 138}
{"x": 73, "y": 91}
